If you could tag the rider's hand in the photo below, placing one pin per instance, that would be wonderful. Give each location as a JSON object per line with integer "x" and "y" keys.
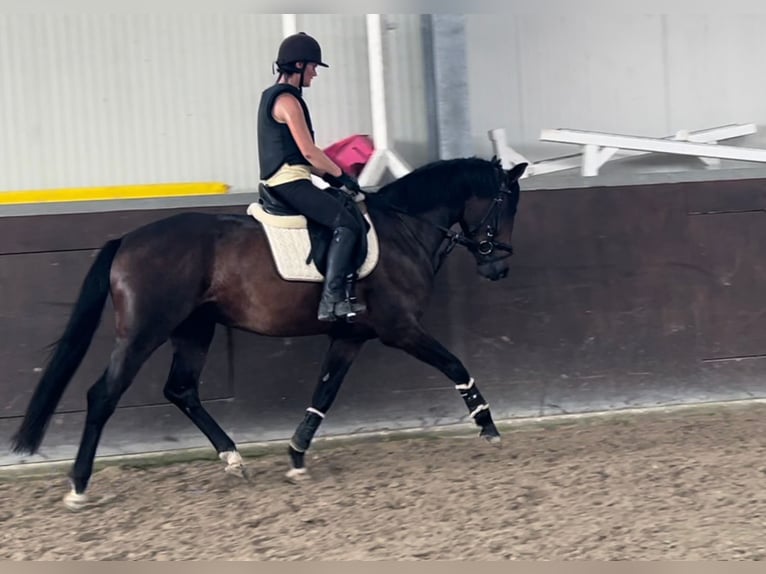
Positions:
{"x": 332, "y": 180}
{"x": 350, "y": 182}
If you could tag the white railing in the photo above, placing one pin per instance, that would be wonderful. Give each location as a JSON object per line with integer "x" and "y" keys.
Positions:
{"x": 598, "y": 147}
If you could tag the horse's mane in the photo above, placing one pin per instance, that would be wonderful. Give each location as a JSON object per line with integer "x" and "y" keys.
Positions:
{"x": 444, "y": 182}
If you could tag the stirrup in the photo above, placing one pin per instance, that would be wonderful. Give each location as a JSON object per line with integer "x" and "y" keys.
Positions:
{"x": 341, "y": 310}
{"x": 348, "y": 309}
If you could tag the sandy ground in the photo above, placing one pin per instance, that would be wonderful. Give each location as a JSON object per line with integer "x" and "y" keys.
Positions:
{"x": 680, "y": 485}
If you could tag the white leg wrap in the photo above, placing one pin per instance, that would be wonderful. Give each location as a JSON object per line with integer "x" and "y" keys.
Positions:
{"x": 320, "y": 414}
{"x": 295, "y": 448}
{"x": 466, "y": 387}
{"x": 478, "y": 409}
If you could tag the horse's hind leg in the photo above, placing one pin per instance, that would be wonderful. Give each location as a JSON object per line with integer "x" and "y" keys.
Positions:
{"x": 191, "y": 341}
{"x": 415, "y": 341}
{"x": 337, "y": 362}
{"x": 127, "y": 358}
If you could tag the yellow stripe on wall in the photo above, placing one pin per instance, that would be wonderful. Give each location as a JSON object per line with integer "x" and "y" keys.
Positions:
{"x": 113, "y": 192}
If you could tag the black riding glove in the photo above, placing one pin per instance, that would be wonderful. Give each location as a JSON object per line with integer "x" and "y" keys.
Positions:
{"x": 332, "y": 180}
{"x": 350, "y": 182}
{"x": 344, "y": 180}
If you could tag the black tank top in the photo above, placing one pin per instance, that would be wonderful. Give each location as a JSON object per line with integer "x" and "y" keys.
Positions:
{"x": 276, "y": 145}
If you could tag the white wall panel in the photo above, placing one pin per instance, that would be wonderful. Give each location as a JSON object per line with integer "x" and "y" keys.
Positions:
{"x": 340, "y": 101}
{"x": 99, "y": 99}
{"x": 106, "y": 100}
{"x": 587, "y": 71}
{"x": 495, "y": 79}
{"x": 339, "y": 98}
{"x": 405, "y": 70}
{"x": 637, "y": 74}
{"x": 715, "y": 69}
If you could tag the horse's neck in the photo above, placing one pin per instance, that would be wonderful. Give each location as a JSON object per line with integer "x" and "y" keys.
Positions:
{"x": 426, "y": 227}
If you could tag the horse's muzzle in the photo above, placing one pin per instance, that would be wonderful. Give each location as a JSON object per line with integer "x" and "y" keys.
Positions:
{"x": 493, "y": 271}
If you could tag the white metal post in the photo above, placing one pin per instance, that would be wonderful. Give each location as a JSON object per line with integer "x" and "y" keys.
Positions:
{"x": 383, "y": 157}
{"x": 377, "y": 81}
{"x": 289, "y": 24}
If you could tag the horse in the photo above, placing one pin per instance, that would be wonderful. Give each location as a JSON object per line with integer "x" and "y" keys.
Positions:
{"x": 177, "y": 278}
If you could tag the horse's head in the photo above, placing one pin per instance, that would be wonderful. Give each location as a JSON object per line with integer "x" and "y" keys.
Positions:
{"x": 487, "y": 222}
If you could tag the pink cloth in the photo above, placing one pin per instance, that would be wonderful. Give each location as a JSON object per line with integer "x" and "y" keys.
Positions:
{"x": 352, "y": 153}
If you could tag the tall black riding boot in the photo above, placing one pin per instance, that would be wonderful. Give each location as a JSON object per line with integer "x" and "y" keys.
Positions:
{"x": 336, "y": 302}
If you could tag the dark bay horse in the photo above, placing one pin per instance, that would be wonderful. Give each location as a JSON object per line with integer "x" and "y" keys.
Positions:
{"x": 178, "y": 277}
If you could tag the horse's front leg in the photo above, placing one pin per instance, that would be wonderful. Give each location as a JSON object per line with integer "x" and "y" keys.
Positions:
{"x": 414, "y": 340}
{"x": 337, "y": 362}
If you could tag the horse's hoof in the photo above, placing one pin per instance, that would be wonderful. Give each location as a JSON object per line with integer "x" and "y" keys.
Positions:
{"x": 75, "y": 502}
{"x": 237, "y": 470}
{"x": 492, "y": 438}
{"x": 296, "y": 475}
{"x": 235, "y": 466}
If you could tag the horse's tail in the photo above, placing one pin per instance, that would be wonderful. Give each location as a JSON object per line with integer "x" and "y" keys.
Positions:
{"x": 68, "y": 351}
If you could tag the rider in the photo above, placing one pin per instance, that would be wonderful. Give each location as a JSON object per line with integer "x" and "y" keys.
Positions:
{"x": 288, "y": 156}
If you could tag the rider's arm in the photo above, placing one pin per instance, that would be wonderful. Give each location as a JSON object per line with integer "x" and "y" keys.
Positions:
{"x": 287, "y": 110}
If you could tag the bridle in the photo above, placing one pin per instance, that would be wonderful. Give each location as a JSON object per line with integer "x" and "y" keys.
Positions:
{"x": 465, "y": 237}
{"x": 491, "y": 224}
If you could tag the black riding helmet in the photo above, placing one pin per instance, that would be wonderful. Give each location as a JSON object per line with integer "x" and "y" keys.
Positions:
{"x": 299, "y": 47}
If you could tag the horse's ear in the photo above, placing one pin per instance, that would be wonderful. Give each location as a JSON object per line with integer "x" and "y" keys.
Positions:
{"x": 516, "y": 171}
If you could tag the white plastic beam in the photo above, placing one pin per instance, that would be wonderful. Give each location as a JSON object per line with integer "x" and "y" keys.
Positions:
{"x": 658, "y": 145}
{"x": 712, "y": 135}
{"x": 511, "y": 157}
{"x": 508, "y": 156}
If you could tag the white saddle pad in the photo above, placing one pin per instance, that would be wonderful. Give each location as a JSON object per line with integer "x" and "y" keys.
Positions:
{"x": 290, "y": 244}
